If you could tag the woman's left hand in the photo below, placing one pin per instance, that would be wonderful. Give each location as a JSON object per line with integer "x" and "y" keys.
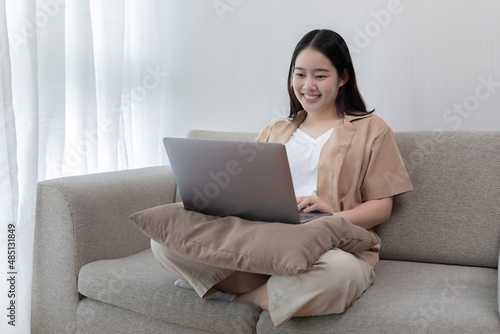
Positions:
{"x": 311, "y": 203}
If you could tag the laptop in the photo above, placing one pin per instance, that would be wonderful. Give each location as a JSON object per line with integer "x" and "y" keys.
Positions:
{"x": 250, "y": 180}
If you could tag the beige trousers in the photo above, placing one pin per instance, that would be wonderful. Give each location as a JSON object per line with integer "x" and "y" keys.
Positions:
{"x": 333, "y": 283}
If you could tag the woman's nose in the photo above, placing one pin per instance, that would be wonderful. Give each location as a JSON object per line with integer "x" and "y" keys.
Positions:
{"x": 309, "y": 84}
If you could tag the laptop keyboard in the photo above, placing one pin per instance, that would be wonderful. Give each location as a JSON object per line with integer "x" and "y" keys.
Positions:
{"x": 307, "y": 216}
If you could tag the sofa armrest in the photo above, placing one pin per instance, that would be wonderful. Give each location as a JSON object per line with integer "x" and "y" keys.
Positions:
{"x": 82, "y": 219}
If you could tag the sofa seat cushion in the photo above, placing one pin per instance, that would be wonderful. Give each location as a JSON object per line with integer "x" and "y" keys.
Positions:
{"x": 101, "y": 318}
{"x": 412, "y": 297}
{"x": 139, "y": 283}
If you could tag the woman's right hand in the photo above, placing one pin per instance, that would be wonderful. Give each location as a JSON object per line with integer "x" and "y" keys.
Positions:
{"x": 311, "y": 203}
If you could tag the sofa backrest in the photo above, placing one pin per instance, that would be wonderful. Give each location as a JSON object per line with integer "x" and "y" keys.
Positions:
{"x": 453, "y": 215}
{"x": 87, "y": 216}
{"x": 222, "y": 135}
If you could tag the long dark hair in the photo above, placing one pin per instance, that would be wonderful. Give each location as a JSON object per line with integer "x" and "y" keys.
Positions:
{"x": 349, "y": 100}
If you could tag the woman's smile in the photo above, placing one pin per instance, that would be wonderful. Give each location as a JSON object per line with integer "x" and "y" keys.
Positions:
{"x": 311, "y": 98}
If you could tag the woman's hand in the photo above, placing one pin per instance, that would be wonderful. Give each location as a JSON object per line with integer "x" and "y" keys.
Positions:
{"x": 312, "y": 203}
{"x": 366, "y": 215}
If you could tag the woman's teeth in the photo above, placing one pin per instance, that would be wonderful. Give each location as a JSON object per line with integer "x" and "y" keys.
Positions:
{"x": 311, "y": 97}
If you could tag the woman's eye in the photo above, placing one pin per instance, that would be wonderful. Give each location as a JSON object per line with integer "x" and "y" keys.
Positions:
{"x": 320, "y": 76}
{"x": 299, "y": 75}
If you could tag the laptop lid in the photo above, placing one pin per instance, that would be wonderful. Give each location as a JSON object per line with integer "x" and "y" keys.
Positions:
{"x": 250, "y": 180}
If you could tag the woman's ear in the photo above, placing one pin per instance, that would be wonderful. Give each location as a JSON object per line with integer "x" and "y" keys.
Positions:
{"x": 344, "y": 78}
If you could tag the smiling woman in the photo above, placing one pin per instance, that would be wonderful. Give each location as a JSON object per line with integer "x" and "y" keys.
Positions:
{"x": 328, "y": 118}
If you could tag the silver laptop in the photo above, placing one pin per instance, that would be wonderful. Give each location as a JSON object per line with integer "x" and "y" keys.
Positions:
{"x": 232, "y": 178}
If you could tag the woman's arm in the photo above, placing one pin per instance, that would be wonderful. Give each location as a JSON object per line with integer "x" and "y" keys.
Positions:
{"x": 366, "y": 215}
{"x": 369, "y": 213}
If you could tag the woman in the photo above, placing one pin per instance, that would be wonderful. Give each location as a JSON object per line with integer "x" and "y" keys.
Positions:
{"x": 343, "y": 160}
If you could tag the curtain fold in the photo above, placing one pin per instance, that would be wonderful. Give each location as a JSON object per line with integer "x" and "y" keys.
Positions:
{"x": 109, "y": 64}
{"x": 8, "y": 142}
{"x": 80, "y": 92}
{"x": 19, "y": 66}
{"x": 142, "y": 84}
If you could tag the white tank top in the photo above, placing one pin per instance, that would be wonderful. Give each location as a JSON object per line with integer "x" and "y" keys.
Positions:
{"x": 303, "y": 156}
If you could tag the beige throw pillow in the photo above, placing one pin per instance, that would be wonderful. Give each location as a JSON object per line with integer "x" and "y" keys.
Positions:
{"x": 249, "y": 246}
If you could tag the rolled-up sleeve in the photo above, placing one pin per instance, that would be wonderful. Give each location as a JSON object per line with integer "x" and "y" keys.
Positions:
{"x": 386, "y": 174}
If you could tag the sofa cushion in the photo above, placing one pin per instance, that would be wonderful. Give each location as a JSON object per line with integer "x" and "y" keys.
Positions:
{"x": 411, "y": 298}
{"x": 251, "y": 246}
{"x": 101, "y": 318}
{"x": 453, "y": 215}
{"x": 406, "y": 298}
{"x": 139, "y": 283}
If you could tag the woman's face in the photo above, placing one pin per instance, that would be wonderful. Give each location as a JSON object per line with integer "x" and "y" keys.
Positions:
{"x": 316, "y": 82}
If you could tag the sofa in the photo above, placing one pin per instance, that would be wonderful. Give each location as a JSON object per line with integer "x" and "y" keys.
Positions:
{"x": 93, "y": 270}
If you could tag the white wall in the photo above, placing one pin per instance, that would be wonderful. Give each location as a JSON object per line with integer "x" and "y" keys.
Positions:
{"x": 421, "y": 64}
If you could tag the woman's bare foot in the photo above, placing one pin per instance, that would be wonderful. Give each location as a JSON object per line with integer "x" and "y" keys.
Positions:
{"x": 257, "y": 297}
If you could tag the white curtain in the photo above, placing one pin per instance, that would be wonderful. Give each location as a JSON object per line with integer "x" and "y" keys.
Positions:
{"x": 80, "y": 92}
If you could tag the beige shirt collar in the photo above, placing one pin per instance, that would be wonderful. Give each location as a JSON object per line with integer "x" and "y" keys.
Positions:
{"x": 290, "y": 127}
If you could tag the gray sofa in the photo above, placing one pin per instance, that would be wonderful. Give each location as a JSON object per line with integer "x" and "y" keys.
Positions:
{"x": 93, "y": 270}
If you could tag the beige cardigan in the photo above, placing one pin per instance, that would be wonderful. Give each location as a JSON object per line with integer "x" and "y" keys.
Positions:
{"x": 359, "y": 162}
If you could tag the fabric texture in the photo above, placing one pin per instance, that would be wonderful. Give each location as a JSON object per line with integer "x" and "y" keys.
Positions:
{"x": 453, "y": 214}
{"x": 138, "y": 285}
{"x": 136, "y": 294}
{"x": 333, "y": 283}
{"x": 82, "y": 219}
{"x": 98, "y": 317}
{"x": 250, "y": 246}
{"x": 411, "y": 297}
{"x": 201, "y": 276}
